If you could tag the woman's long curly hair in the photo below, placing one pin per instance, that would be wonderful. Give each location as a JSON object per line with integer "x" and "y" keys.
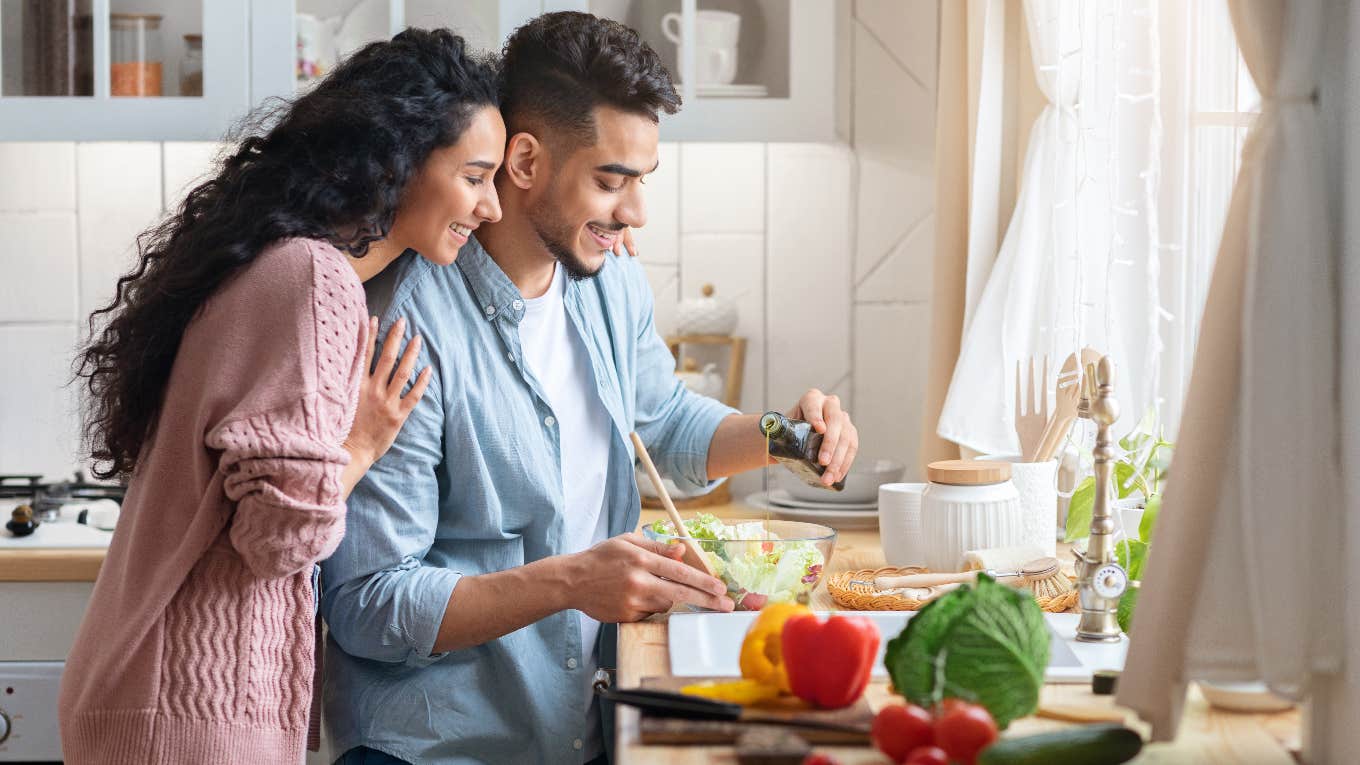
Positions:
{"x": 331, "y": 165}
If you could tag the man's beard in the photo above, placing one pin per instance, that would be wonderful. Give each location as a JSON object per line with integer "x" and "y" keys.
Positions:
{"x": 555, "y": 234}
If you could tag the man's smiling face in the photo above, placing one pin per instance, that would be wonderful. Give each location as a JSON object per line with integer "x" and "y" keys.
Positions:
{"x": 596, "y": 191}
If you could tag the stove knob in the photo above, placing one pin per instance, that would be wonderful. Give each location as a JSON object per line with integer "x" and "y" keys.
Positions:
{"x": 21, "y": 522}
{"x": 4, "y": 726}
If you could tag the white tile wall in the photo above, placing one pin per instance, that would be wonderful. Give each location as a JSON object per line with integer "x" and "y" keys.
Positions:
{"x": 723, "y": 189}
{"x": 735, "y": 265}
{"x": 39, "y": 423}
{"x": 119, "y": 196}
{"x": 39, "y": 266}
{"x": 891, "y": 346}
{"x": 659, "y": 241}
{"x": 809, "y": 277}
{"x": 37, "y": 176}
{"x": 827, "y": 247}
{"x": 186, "y": 164}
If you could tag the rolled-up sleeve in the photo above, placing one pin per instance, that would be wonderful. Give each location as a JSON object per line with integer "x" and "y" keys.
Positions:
{"x": 391, "y": 615}
{"x": 380, "y": 599}
{"x": 675, "y": 423}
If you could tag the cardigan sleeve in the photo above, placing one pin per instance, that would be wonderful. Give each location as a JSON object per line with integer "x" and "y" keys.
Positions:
{"x": 282, "y": 466}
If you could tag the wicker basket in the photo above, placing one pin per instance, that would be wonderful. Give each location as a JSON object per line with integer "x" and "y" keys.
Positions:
{"x": 863, "y": 597}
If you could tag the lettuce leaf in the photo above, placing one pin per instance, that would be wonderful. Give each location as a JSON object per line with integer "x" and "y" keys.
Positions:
{"x": 986, "y": 644}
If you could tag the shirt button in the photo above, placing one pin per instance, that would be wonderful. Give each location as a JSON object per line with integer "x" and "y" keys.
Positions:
{"x": 577, "y": 744}
{"x": 571, "y": 664}
{"x": 491, "y": 309}
{"x": 518, "y": 304}
{"x": 510, "y": 356}
{"x": 550, "y": 420}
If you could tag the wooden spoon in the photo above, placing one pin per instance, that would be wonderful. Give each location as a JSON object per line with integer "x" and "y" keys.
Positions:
{"x": 694, "y": 555}
{"x": 1064, "y": 409}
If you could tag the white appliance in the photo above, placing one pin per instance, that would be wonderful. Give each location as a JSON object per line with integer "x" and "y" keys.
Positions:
{"x": 39, "y": 619}
{"x": 28, "y": 711}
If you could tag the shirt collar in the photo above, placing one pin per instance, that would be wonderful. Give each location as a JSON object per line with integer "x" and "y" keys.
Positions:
{"x": 494, "y": 291}
{"x": 496, "y": 295}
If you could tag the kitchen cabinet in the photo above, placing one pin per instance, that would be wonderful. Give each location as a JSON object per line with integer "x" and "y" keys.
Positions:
{"x": 122, "y": 69}
{"x": 748, "y": 70}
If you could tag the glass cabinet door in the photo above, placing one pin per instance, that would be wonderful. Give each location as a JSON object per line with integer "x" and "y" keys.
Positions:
{"x": 735, "y": 64}
{"x": 122, "y": 69}
{"x": 46, "y": 48}
{"x": 736, "y": 48}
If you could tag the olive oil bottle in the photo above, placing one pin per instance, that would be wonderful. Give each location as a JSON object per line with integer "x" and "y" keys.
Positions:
{"x": 795, "y": 444}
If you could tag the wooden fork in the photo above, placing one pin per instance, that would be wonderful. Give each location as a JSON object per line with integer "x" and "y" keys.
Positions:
{"x": 1030, "y": 422}
{"x": 1064, "y": 409}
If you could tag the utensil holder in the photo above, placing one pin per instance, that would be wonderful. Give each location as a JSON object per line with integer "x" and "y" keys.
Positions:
{"x": 1037, "y": 483}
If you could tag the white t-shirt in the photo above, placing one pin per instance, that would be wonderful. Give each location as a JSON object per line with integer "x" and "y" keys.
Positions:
{"x": 555, "y": 353}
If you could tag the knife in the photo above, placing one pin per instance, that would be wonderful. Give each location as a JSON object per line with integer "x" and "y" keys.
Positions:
{"x": 682, "y": 706}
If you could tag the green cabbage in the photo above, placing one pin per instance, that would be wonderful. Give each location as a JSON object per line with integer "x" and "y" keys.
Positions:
{"x": 986, "y": 644}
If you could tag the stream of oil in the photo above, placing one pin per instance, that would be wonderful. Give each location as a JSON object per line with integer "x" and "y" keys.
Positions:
{"x": 765, "y": 484}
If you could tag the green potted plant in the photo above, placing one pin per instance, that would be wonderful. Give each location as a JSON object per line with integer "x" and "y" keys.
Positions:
{"x": 1139, "y": 477}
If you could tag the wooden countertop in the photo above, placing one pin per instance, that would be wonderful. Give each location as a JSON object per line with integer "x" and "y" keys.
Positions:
{"x": 1206, "y": 735}
{"x": 51, "y": 564}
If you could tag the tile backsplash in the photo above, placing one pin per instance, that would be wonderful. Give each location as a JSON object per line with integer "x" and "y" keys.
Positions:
{"x": 826, "y": 247}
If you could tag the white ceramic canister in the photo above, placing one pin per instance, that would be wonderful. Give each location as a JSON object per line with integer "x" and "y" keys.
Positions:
{"x": 968, "y": 505}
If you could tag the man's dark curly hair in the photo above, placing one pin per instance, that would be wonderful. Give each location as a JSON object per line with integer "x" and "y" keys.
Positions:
{"x": 333, "y": 166}
{"x": 560, "y": 66}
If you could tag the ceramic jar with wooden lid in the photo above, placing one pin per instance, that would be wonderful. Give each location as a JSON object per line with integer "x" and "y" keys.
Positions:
{"x": 968, "y": 505}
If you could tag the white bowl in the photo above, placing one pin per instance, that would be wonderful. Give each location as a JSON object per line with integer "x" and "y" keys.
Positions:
{"x": 1243, "y": 697}
{"x": 861, "y": 483}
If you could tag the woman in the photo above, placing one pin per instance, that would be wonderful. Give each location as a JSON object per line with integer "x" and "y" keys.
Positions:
{"x": 224, "y": 385}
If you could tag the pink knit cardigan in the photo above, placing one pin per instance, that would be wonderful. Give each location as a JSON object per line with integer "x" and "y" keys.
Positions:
{"x": 198, "y": 643}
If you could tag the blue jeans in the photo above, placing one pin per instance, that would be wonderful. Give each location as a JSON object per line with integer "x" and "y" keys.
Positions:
{"x": 362, "y": 755}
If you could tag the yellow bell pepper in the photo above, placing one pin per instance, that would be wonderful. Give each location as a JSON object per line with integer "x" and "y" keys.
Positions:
{"x": 744, "y": 692}
{"x": 762, "y": 657}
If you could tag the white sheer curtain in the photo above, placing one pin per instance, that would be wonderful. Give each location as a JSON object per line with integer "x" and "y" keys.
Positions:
{"x": 1079, "y": 263}
{"x": 1243, "y": 581}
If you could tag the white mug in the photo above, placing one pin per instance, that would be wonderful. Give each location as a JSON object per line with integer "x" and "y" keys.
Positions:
{"x": 715, "y": 66}
{"x": 899, "y": 523}
{"x": 716, "y": 34}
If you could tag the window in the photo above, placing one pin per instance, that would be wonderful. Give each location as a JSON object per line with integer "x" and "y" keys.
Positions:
{"x": 1208, "y": 104}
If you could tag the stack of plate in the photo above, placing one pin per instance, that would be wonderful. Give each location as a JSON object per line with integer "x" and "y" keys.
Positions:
{"x": 854, "y": 508}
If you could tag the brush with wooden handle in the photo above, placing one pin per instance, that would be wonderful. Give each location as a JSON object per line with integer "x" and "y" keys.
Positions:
{"x": 694, "y": 555}
{"x": 1034, "y": 571}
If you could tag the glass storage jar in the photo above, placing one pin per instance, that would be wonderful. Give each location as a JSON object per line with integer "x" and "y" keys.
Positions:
{"x": 135, "y": 58}
{"x": 191, "y": 67}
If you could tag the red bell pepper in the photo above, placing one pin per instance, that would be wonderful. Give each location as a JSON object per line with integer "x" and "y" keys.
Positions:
{"x": 829, "y": 661}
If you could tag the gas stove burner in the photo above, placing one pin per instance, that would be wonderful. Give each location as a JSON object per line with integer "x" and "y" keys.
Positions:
{"x": 47, "y": 499}
{"x": 20, "y": 485}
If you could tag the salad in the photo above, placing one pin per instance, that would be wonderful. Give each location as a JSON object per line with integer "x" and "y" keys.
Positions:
{"x": 757, "y": 566}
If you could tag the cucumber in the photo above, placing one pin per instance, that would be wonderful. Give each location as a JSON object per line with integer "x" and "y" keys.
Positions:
{"x": 1088, "y": 745}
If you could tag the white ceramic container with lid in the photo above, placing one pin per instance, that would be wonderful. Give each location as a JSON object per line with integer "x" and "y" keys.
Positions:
{"x": 968, "y": 505}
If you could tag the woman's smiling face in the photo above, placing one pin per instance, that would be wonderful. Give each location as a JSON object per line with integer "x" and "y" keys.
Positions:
{"x": 453, "y": 193}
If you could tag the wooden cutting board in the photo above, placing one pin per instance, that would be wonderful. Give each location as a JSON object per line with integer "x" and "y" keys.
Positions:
{"x": 666, "y": 730}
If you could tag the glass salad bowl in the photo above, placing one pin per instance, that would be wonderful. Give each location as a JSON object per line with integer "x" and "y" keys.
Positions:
{"x": 760, "y": 561}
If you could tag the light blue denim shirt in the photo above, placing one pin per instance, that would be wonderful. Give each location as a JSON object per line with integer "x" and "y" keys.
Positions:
{"x": 473, "y": 485}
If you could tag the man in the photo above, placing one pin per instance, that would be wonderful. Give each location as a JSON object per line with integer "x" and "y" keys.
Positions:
{"x": 485, "y": 549}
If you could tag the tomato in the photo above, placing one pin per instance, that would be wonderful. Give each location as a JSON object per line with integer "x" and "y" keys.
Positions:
{"x": 963, "y": 730}
{"x": 820, "y": 758}
{"x": 898, "y": 730}
{"x": 753, "y": 601}
{"x": 928, "y": 755}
